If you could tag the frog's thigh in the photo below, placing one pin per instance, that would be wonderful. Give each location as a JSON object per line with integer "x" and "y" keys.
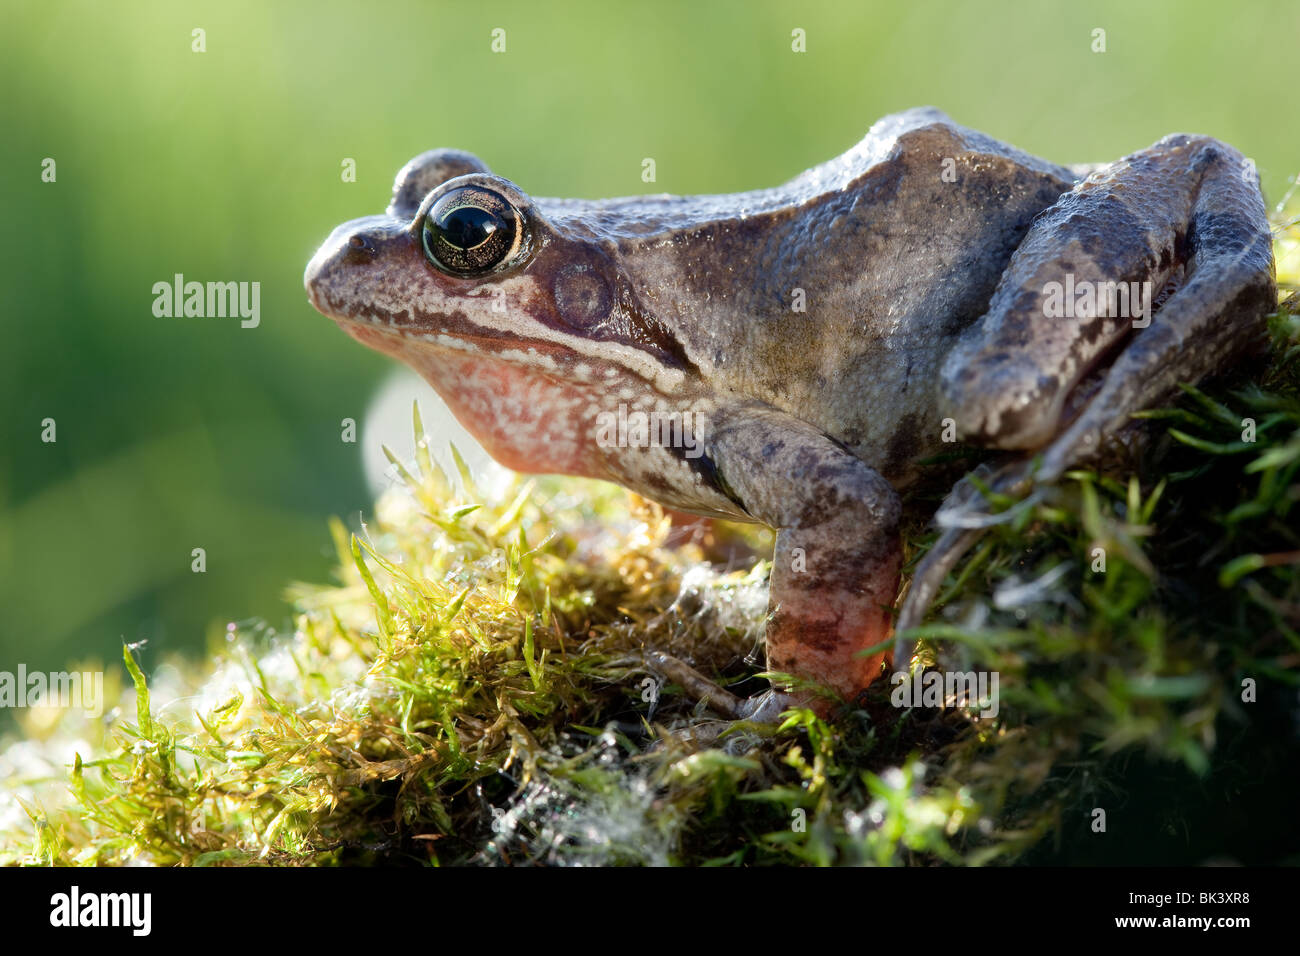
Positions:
{"x": 836, "y": 562}
{"x": 1188, "y": 212}
{"x": 1215, "y": 317}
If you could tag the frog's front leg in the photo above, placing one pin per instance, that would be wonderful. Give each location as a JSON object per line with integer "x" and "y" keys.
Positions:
{"x": 1183, "y": 220}
{"x": 836, "y": 561}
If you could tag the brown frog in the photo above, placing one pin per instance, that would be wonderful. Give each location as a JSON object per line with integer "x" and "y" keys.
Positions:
{"x": 788, "y": 355}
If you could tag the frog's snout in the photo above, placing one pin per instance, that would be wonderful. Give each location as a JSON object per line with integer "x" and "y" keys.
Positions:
{"x": 349, "y": 266}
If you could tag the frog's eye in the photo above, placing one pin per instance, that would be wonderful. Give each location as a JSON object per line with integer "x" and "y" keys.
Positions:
{"x": 471, "y": 231}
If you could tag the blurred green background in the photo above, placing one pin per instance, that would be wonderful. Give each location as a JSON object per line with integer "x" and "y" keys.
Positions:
{"x": 225, "y": 165}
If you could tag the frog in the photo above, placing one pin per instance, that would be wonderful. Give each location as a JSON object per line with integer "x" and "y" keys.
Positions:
{"x": 792, "y": 355}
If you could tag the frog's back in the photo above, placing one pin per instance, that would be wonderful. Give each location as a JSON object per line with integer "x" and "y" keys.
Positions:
{"x": 837, "y": 296}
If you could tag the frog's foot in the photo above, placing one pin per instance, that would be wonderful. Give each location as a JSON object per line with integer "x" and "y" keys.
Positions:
{"x": 767, "y": 707}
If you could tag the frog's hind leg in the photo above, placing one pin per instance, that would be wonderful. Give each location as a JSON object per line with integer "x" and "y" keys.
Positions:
{"x": 1075, "y": 304}
{"x": 1213, "y": 319}
{"x": 1186, "y": 214}
{"x": 924, "y": 588}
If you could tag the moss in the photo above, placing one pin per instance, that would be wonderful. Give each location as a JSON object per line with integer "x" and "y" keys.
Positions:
{"x": 472, "y": 690}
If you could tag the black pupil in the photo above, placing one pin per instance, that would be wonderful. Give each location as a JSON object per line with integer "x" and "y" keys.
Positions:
{"x": 470, "y": 231}
{"x": 468, "y": 227}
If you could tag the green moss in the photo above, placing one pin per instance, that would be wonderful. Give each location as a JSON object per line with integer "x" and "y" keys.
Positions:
{"x": 471, "y": 690}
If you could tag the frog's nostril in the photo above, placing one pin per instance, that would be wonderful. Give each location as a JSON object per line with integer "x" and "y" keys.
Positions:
{"x": 361, "y": 248}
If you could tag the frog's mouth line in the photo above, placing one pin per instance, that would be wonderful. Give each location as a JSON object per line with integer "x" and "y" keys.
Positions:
{"x": 404, "y": 343}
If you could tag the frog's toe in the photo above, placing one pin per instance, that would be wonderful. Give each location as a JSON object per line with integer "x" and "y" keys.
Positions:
{"x": 921, "y": 593}
{"x": 964, "y": 516}
{"x": 767, "y": 707}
